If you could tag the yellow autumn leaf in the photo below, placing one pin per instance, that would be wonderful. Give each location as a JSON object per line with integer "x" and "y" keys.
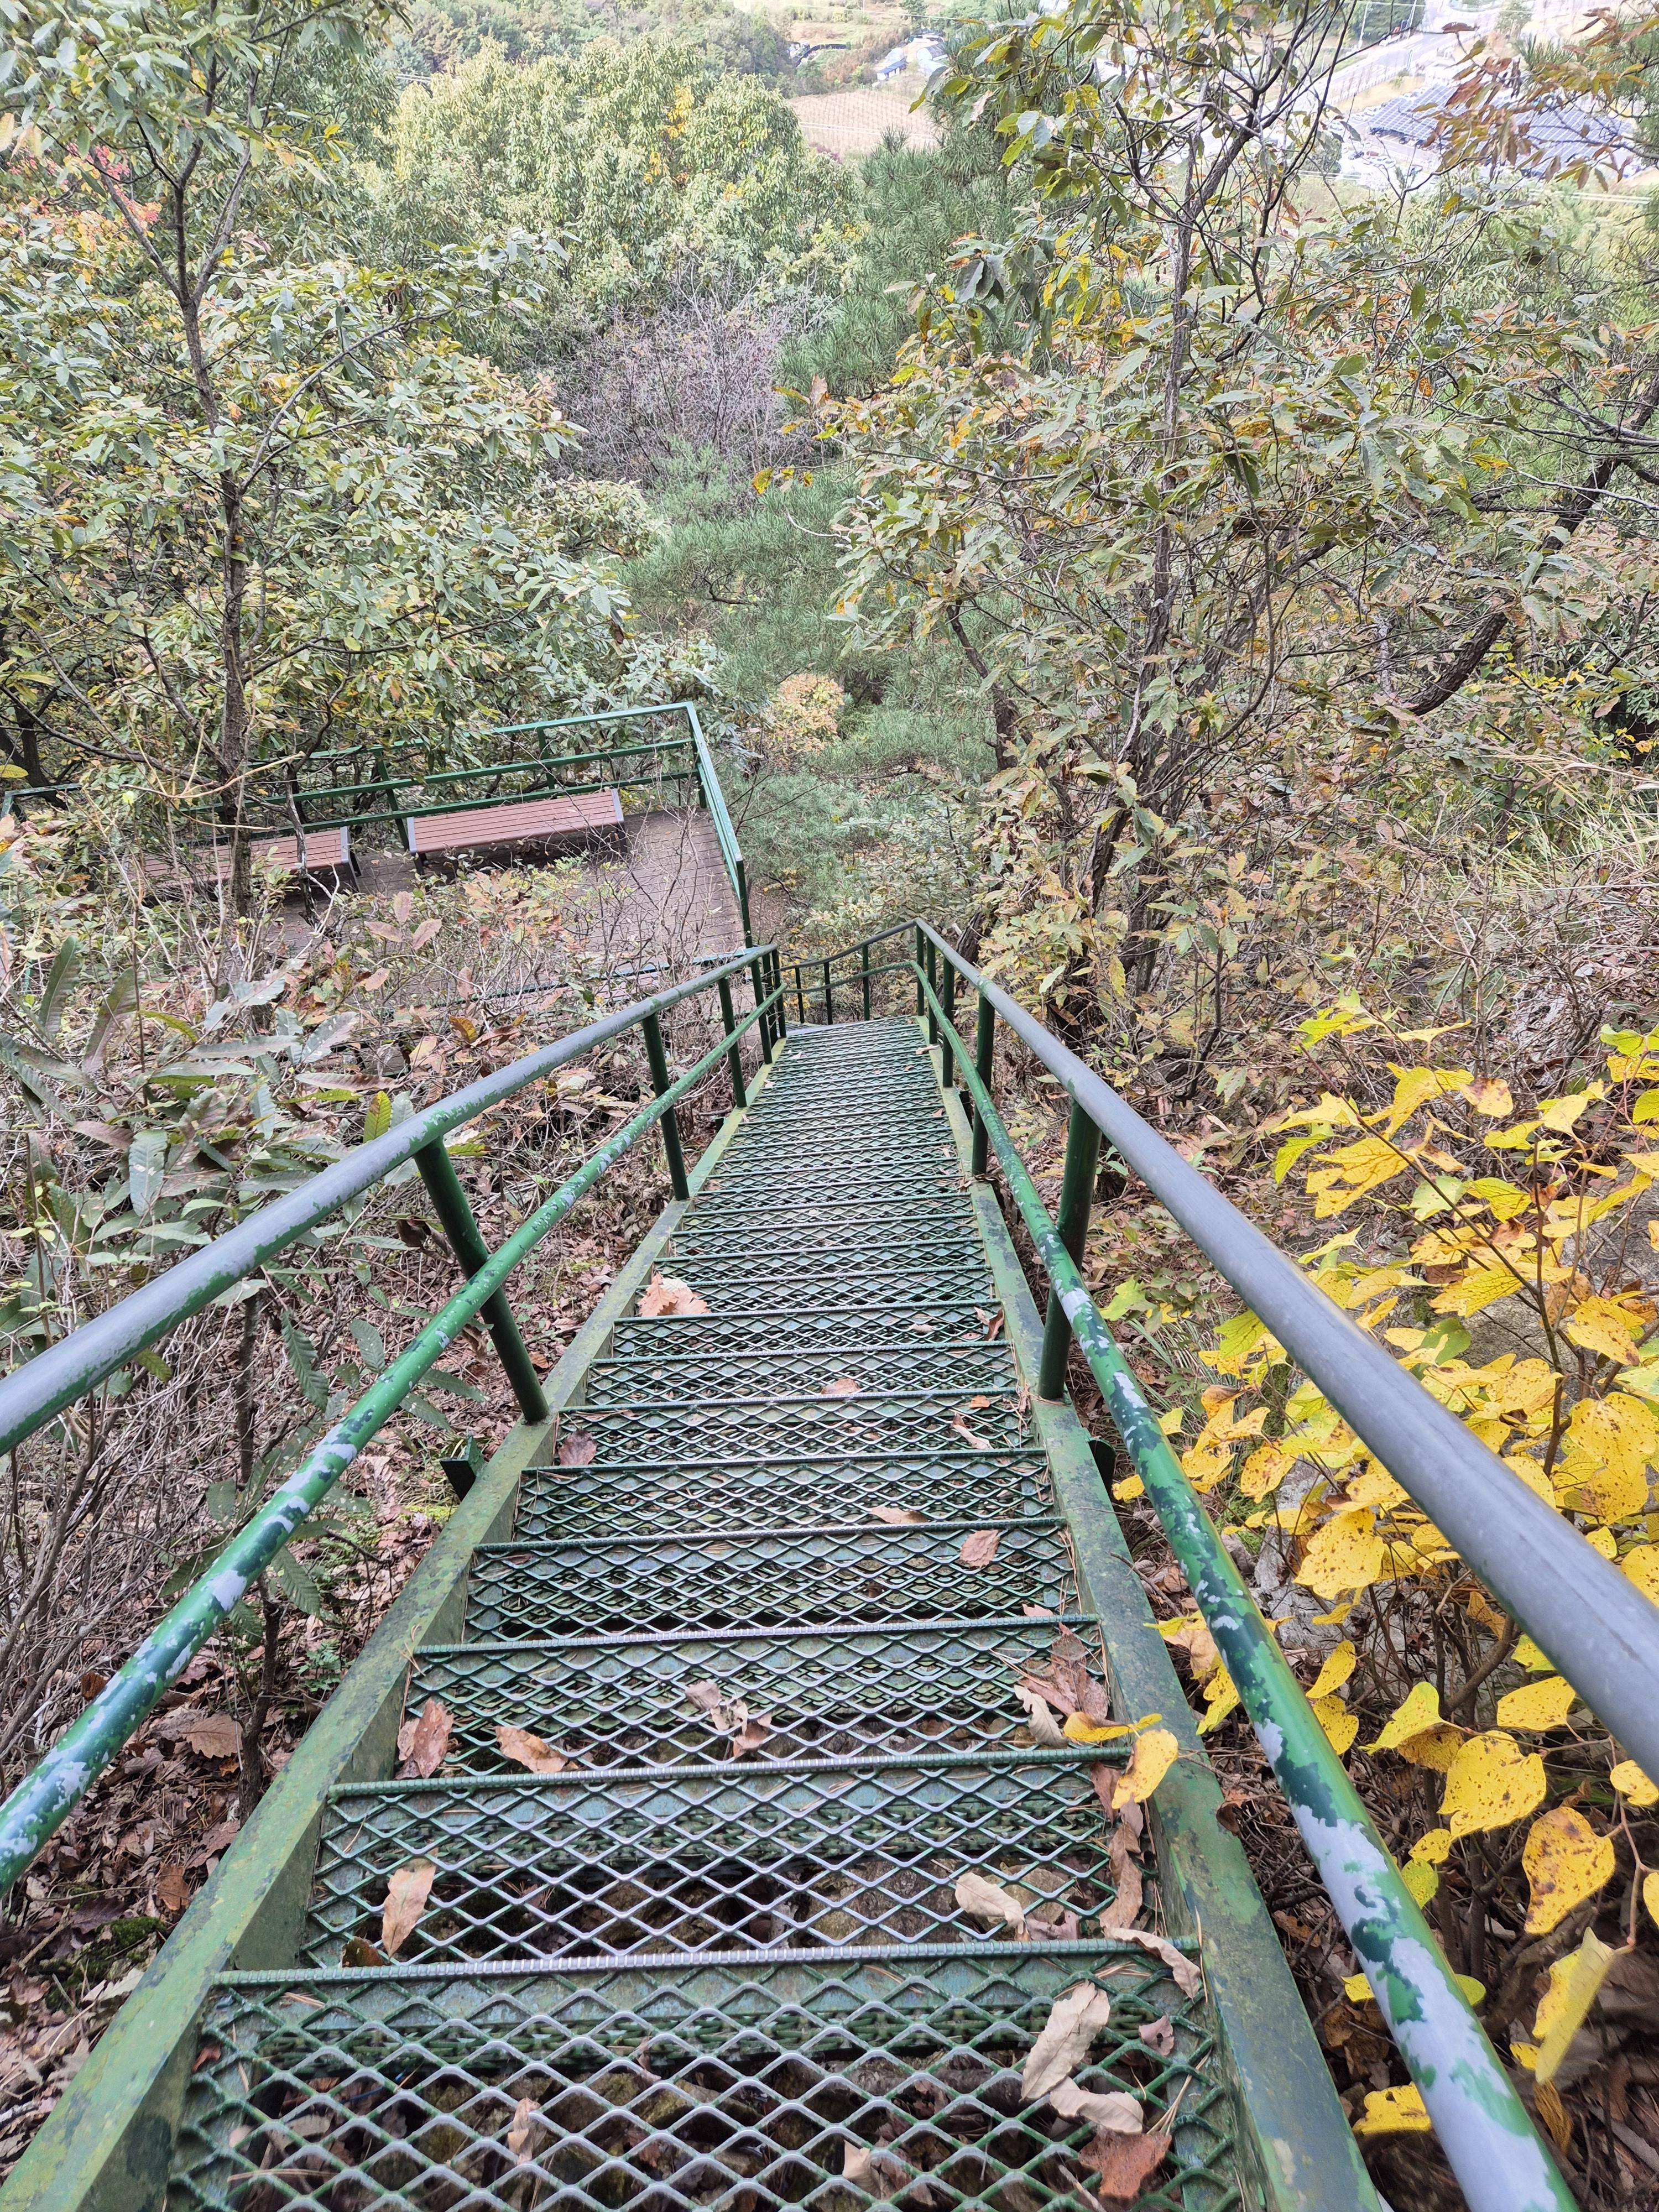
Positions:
{"x": 1420, "y": 1708}
{"x": 1414, "y": 1087}
{"x": 1264, "y": 1469}
{"x": 1532, "y": 1474}
{"x": 1527, "y": 1654}
{"x": 1602, "y": 1540}
{"x": 1506, "y": 1199}
{"x": 1345, "y": 1554}
{"x": 1628, "y": 1779}
{"x": 1609, "y": 1442}
{"x": 1431, "y": 1848}
{"x": 1221, "y": 1695}
{"x": 1340, "y": 1726}
{"x": 1420, "y": 1881}
{"x": 1131, "y": 1487}
{"x": 1351, "y": 1172}
{"x": 1206, "y": 1463}
{"x": 1650, "y": 1896}
{"x": 1538, "y": 1706}
{"x": 1491, "y": 1096}
{"x": 1642, "y": 1566}
{"x": 1560, "y": 1114}
{"x": 1357, "y": 1989}
{"x": 1565, "y": 1862}
{"x": 1492, "y": 1784}
{"x": 1338, "y": 1667}
{"x": 1433, "y": 1747}
{"x": 1574, "y": 1983}
{"x": 1154, "y": 1754}
{"x": 1473, "y": 1292}
{"x": 1394, "y": 2112}
{"x": 1080, "y": 1731}
{"x": 1604, "y": 1325}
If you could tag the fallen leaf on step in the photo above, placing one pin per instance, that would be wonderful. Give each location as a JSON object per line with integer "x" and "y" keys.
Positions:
{"x": 523, "y": 2129}
{"x": 1183, "y": 1970}
{"x": 724, "y": 1713}
{"x": 989, "y": 1900}
{"x": 423, "y": 1744}
{"x": 981, "y": 1548}
{"x": 1045, "y": 1729}
{"x": 977, "y": 1405}
{"x": 752, "y": 1735}
{"x": 1114, "y": 2111}
{"x": 1154, "y": 1754}
{"x": 406, "y": 1894}
{"x": 960, "y": 1428}
{"x": 993, "y": 1327}
{"x": 1038, "y": 1612}
{"x": 1062, "y": 1928}
{"x": 215, "y": 1735}
{"x": 1073, "y": 2022}
{"x": 896, "y": 1516}
{"x": 360, "y": 1952}
{"x": 1068, "y": 1686}
{"x": 882, "y": 2173}
{"x": 1127, "y": 1888}
{"x": 844, "y": 1386}
{"x": 926, "y": 1327}
{"x": 171, "y": 1888}
{"x": 1159, "y": 2035}
{"x": 578, "y": 1449}
{"x": 1123, "y": 2165}
{"x": 667, "y": 1294}
{"x": 531, "y": 1751}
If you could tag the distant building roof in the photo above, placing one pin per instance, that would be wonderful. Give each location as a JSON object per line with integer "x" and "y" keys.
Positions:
{"x": 1572, "y": 134}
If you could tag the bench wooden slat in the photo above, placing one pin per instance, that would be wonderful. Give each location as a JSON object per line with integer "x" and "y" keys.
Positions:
{"x": 528, "y": 821}
{"x": 327, "y": 852}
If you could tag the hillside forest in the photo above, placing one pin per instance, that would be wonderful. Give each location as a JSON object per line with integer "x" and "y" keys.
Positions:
{"x": 1222, "y": 595}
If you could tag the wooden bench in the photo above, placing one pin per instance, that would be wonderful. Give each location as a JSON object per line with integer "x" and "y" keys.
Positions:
{"x": 526, "y": 824}
{"x": 323, "y": 855}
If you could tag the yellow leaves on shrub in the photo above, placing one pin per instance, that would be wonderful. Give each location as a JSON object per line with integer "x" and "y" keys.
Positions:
{"x": 1574, "y": 1983}
{"x": 1607, "y": 1325}
{"x": 1565, "y": 1862}
{"x": 1490, "y": 1783}
{"x": 1415, "y": 1086}
{"x": 1559, "y": 1114}
{"x": 1351, "y": 1172}
{"x": 1221, "y": 1696}
{"x": 1473, "y": 1292}
{"x": 1642, "y": 1566}
{"x": 1340, "y": 1726}
{"x": 1650, "y": 1896}
{"x": 1338, "y": 1667}
{"x": 1419, "y": 1710}
{"x": 1420, "y": 1880}
{"x": 1345, "y": 1554}
{"x": 1431, "y": 1849}
{"x": 1394, "y": 2112}
{"x": 1538, "y": 1706}
{"x": 1490, "y": 1097}
{"x": 1264, "y": 1469}
{"x": 1609, "y": 1442}
{"x": 1628, "y": 1779}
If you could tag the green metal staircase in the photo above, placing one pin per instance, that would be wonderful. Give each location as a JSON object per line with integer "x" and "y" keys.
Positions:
{"x": 670, "y": 1975}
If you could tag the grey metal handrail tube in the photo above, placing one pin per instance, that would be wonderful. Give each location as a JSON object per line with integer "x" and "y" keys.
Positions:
{"x": 55, "y": 1378}
{"x": 1591, "y": 1619}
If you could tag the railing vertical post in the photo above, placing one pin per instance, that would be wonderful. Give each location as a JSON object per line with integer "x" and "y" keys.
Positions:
{"x": 931, "y": 962}
{"x": 800, "y": 996}
{"x": 780, "y": 1010}
{"x": 985, "y": 1043}
{"x": 865, "y": 949}
{"x": 734, "y": 1057}
{"x": 1077, "y": 1190}
{"x": 455, "y": 1215}
{"x": 670, "y": 1127}
{"x": 760, "y": 971}
{"x": 921, "y": 969}
{"x": 828, "y": 997}
{"x": 948, "y": 1001}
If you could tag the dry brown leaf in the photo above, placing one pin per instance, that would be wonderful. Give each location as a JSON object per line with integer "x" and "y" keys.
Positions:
{"x": 922, "y": 1325}
{"x": 171, "y": 1889}
{"x": 752, "y": 1735}
{"x": 981, "y": 1548}
{"x": 844, "y": 1386}
{"x": 424, "y": 1746}
{"x": 978, "y": 1404}
{"x": 215, "y": 1735}
{"x": 1123, "y": 2165}
{"x": 523, "y": 2129}
{"x": 1184, "y": 1969}
{"x": 1068, "y": 1686}
{"x": 579, "y": 1448}
{"x": 360, "y": 1952}
{"x": 531, "y": 1751}
{"x": 1128, "y": 1887}
{"x": 880, "y": 2173}
{"x": 1112, "y": 2111}
{"x": 1159, "y": 2035}
{"x": 1038, "y": 1612}
{"x": 896, "y": 1516}
{"x": 668, "y": 1294}
{"x": 959, "y": 1427}
{"x": 406, "y": 1894}
{"x": 993, "y": 1327}
{"x": 989, "y": 1900}
{"x": 1063, "y": 1928}
{"x": 1045, "y": 1729}
{"x": 1073, "y": 2022}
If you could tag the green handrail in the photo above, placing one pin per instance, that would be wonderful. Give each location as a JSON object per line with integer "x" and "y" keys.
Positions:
{"x": 41, "y": 1802}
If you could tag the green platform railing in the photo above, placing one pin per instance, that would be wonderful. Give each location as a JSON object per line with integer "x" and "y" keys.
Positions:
{"x": 56, "y": 1378}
